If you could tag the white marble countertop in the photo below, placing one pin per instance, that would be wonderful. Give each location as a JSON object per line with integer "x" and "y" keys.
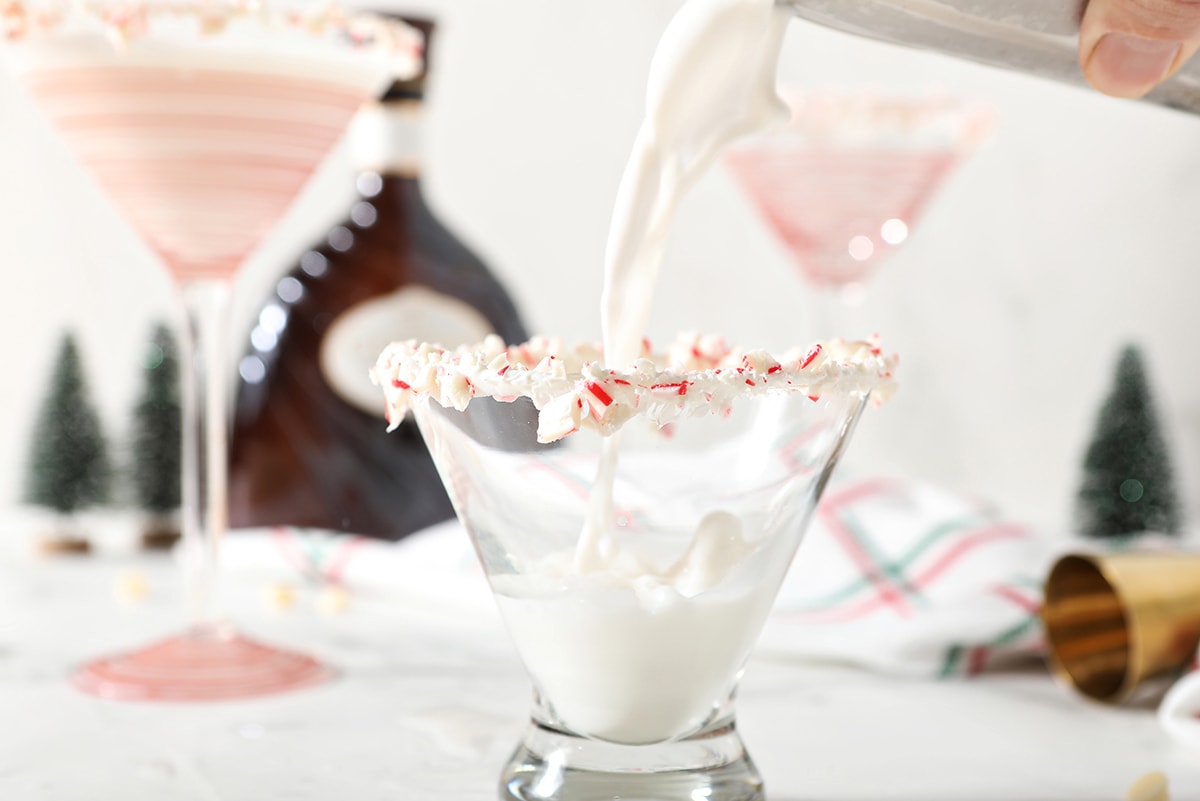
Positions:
{"x": 429, "y": 709}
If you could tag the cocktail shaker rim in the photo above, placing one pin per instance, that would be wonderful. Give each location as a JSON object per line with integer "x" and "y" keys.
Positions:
{"x": 1034, "y": 37}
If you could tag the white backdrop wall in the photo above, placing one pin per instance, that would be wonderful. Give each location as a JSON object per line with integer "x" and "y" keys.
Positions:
{"x": 1076, "y": 229}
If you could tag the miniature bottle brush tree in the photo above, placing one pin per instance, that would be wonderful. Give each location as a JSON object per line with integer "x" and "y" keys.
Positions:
{"x": 1127, "y": 486}
{"x": 69, "y": 467}
{"x": 156, "y": 437}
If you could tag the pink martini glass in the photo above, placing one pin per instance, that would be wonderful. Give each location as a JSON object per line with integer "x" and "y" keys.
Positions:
{"x": 843, "y": 184}
{"x": 202, "y": 121}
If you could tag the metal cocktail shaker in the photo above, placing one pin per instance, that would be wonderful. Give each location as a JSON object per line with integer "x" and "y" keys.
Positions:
{"x": 1039, "y": 37}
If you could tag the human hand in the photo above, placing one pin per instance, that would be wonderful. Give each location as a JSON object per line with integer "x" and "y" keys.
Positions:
{"x": 1127, "y": 47}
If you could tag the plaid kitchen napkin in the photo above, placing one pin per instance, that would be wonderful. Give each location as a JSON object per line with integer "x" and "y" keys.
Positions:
{"x": 910, "y": 579}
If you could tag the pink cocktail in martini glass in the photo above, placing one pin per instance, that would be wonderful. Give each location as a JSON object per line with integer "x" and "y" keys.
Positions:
{"x": 844, "y": 182}
{"x": 202, "y": 122}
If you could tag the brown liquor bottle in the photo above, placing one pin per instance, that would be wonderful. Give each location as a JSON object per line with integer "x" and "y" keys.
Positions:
{"x": 309, "y": 444}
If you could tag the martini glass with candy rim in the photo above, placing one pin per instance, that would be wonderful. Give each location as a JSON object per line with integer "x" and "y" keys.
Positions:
{"x": 633, "y": 591}
{"x": 845, "y": 181}
{"x": 201, "y": 121}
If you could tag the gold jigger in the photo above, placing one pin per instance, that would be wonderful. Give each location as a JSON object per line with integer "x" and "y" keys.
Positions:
{"x": 1123, "y": 625}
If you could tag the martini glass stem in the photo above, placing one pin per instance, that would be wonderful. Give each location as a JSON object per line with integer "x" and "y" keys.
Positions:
{"x": 821, "y": 298}
{"x": 210, "y": 661}
{"x": 205, "y": 442}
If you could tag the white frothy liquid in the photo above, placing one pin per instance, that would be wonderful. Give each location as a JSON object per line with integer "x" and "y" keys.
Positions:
{"x": 620, "y": 650}
{"x": 638, "y": 657}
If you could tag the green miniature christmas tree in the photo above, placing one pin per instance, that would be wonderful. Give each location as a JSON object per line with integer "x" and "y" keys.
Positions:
{"x": 156, "y": 445}
{"x": 1127, "y": 484}
{"x": 69, "y": 468}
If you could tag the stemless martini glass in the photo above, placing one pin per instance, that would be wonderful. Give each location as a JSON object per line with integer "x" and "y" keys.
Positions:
{"x": 202, "y": 120}
{"x": 845, "y": 181}
{"x": 633, "y": 602}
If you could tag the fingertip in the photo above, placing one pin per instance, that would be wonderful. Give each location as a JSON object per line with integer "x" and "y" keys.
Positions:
{"x": 1124, "y": 65}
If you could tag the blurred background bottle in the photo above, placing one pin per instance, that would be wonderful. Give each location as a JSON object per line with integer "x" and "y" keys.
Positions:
{"x": 309, "y": 445}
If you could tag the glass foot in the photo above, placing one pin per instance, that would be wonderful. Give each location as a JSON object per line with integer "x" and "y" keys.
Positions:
{"x": 200, "y": 665}
{"x": 554, "y": 765}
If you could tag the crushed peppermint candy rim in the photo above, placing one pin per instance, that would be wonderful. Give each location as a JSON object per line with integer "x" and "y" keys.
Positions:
{"x": 123, "y": 22}
{"x": 573, "y": 389}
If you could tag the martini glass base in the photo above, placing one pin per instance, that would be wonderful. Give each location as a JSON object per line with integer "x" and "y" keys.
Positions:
{"x": 554, "y": 765}
{"x": 202, "y": 664}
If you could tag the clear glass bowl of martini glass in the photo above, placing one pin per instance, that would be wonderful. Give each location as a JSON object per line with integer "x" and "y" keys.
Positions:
{"x": 634, "y": 530}
{"x": 201, "y": 121}
{"x": 843, "y": 183}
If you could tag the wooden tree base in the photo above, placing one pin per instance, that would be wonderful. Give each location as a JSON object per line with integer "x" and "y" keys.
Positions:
{"x": 159, "y": 538}
{"x": 63, "y": 545}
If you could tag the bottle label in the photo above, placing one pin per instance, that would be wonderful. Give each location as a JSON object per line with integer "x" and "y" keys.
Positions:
{"x": 354, "y": 341}
{"x": 386, "y": 138}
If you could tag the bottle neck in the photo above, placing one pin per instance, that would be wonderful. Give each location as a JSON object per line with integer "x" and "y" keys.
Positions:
{"x": 385, "y": 138}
